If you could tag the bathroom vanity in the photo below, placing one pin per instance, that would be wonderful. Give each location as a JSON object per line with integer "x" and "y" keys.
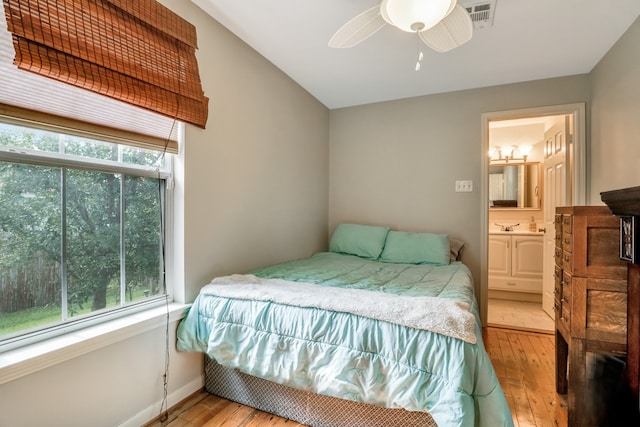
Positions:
{"x": 515, "y": 261}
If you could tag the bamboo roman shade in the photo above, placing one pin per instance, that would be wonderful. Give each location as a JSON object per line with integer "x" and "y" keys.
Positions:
{"x": 138, "y": 52}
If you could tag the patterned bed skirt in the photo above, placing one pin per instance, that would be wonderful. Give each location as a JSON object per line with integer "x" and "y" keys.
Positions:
{"x": 301, "y": 406}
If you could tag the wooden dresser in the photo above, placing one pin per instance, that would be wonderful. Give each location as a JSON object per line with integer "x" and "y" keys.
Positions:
{"x": 625, "y": 203}
{"x": 590, "y": 300}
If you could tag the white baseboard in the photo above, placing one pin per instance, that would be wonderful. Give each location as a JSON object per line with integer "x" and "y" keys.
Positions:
{"x": 152, "y": 411}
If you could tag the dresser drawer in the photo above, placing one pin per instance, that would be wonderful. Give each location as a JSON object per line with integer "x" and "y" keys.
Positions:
{"x": 596, "y": 248}
{"x": 599, "y": 309}
{"x": 565, "y": 289}
{"x": 557, "y": 220}
{"x": 567, "y": 261}
{"x": 563, "y": 320}
{"x": 567, "y": 242}
{"x": 557, "y": 280}
{"x": 557, "y": 223}
{"x": 558, "y": 256}
{"x": 567, "y": 224}
{"x": 562, "y": 305}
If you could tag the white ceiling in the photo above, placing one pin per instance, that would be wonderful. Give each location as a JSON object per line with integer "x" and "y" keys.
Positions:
{"x": 529, "y": 40}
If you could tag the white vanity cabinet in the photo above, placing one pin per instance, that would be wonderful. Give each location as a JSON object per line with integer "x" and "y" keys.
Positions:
{"x": 515, "y": 262}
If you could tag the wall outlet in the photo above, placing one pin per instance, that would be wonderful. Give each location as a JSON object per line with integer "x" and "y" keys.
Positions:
{"x": 464, "y": 186}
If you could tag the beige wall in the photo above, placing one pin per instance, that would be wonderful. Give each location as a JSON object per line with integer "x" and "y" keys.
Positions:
{"x": 615, "y": 117}
{"x": 396, "y": 163}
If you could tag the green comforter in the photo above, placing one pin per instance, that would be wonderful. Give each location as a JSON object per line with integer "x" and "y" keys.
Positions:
{"x": 352, "y": 357}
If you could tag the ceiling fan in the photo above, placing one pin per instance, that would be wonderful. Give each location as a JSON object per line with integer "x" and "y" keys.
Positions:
{"x": 440, "y": 24}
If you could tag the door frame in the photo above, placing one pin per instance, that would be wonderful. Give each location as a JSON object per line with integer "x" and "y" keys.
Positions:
{"x": 578, "y": 153}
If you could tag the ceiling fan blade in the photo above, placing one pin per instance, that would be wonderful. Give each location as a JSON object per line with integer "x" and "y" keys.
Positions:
{"x": 358, "y": 29}
{"x": 454, "y": 30}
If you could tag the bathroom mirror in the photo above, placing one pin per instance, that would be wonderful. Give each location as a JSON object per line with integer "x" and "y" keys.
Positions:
{"x": 514, "y": 186}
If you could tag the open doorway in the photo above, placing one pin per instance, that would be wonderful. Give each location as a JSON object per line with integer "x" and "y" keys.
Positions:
{"x": 536, "y": 163}
{"x": 519, "y": 150}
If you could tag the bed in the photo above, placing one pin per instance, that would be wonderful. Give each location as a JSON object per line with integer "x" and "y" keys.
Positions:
{"x": 383, "y": 329}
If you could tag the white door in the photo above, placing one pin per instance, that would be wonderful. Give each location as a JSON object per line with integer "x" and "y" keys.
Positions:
{"x": 557, "y": 189}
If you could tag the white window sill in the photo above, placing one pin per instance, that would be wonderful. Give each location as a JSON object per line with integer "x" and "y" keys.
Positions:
{"x": 31, "y": 358}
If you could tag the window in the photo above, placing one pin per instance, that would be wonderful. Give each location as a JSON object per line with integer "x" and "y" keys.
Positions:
{"x": 82, "y": 230}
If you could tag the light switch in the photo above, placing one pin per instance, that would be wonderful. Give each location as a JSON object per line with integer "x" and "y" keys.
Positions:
{"x": 464, "y": 186}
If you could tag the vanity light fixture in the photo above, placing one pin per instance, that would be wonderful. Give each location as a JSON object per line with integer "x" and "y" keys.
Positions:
{"x": 507, "y": 154}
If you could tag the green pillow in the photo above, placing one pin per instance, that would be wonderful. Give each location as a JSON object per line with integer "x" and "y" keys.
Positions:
{"x": 416, "y": 248}
{"x": 365, "y": 241}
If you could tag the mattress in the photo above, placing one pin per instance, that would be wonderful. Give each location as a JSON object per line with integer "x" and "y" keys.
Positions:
{"x": 347, "y": 355}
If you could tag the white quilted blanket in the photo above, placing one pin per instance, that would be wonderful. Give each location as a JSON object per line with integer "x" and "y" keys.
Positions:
{"x": 440, "y": 315}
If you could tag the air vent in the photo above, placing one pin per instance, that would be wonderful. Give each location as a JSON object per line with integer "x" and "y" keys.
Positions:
{"x": 482, "y": 12}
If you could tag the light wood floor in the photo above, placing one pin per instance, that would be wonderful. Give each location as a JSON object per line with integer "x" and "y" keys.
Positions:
{"x": 524, "y": 363}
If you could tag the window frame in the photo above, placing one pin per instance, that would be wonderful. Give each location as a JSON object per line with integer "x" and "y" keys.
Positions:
{"x": 42, "y": 158}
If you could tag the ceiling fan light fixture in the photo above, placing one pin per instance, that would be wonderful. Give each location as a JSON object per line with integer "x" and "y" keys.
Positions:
{"x": 405, "y": 14}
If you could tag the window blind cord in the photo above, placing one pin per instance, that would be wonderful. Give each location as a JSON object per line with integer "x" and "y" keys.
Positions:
{"x": 164, "y": 409}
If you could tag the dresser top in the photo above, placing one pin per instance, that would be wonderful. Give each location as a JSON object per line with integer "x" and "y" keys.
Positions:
{"x": 584, "y": 210}
{"x": 625, "y": 201}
